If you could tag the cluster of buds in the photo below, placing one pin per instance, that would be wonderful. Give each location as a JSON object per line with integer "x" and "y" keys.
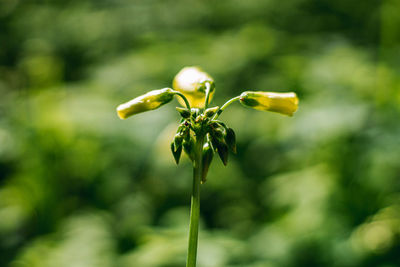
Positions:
{"x": 200, "y": 134}
{"x": 196, "y": 89}
{"x": 218, "y": 137}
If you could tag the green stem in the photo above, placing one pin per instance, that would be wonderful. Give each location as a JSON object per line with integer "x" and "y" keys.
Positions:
{"x": 208, "y": 89}
{"x": 224, "y": 106}
{"x": 195, "y": 203}
{"x": 184, "y": 99}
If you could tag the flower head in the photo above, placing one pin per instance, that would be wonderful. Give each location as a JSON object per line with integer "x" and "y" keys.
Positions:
{"x": 284, "y": 103}
{"x": 191, "y": 81}
{"x": 149, "y": 101}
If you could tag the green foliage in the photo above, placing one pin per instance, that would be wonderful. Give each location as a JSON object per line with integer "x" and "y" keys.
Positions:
{"x": 80, "y": 187}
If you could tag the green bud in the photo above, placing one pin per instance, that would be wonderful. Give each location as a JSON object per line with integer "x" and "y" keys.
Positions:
{"x": 199, "y": 119}
{"x": 213, "y": 143}
{"x": 211, "y": 111}
{"x": 207, "y": 158}
{"x": 186, "y": 135}
{"x": 220, "y": 123}
{"x": 178, "y": 139}
{"x": 222, "y": 150}
{"x": 181, "y": 127}
{"x": 217, "y": 131}
{"x": 185, "y": 113}
{"x": 188, "y": 147}
{"x": 216, "y": 124}
{"x": 219, "y": 145}
{"x": 230, "y": 139}
{"x": 184, "y": 130}
{"x": 195, "y": 112}
{"x": 149, "y": 101}
{"x": 176, "y": 151}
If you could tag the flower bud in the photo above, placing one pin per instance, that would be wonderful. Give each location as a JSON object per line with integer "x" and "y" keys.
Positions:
{"x": 284, "y": 103}
{"x": 188, "y": 147}
{"x": 195, "y": 112}
{"x": 191, "y": 82}
{"x": 207, "y": 158}
{"x": 230, "y": 139}
{"x": 176, "y": 150}
{"x": 185, "y": 113}
{"x": 211, "y": 111}
{"x": 223, "y": 153}
{"x": 178, "y": 139}
{"x": 149, "y": 101}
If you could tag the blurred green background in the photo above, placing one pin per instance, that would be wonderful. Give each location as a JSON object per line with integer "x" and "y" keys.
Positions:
{"x": 81, "y": 188}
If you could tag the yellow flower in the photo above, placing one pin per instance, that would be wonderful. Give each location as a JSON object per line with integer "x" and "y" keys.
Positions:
{"x": 284, "y": 103}
{"x": 152, "y": 100}
{"x": 191, "y": 82}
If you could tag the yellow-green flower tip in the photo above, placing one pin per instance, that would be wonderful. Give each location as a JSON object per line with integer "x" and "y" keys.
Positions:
{"x": 190, "y": 82}
{"x": 283, "y": 103}
{"x": 149, "y": 101}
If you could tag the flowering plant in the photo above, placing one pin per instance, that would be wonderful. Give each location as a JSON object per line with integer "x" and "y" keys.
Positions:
{"x": 200, "y": 134}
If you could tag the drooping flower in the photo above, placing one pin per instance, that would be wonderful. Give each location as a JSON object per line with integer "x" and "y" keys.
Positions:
{"x": 284, "y": 103}
{"x": 191, "y": 82}
{"x": 149, "y": 101}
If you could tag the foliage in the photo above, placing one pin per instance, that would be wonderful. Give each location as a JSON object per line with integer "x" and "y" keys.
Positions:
{"x": 80, "y": 187}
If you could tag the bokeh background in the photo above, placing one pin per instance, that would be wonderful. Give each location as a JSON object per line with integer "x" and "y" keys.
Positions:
{"x": 81, "y": 188}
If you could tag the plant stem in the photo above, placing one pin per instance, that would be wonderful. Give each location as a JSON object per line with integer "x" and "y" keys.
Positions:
{"x": 184, "y": 99}
{"x": 195, "y": 203}
{"x": 208, "y": 89}
{"x": 230, "y": 101}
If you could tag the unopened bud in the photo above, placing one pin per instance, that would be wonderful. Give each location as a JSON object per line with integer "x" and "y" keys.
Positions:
{"x": 284, "y": 103}
{"x": 176, "y": 151}
{"x": 223, "y": 153}
{"x": 211, "y": 111}
{"x": 185, "y": 113}
{"x": 152, "y": 100}
{"x": 207, "y": 158}
{"x": 230, "y": 139}
{"x": 178, "y": 139}
{"x": 188, "y": 147}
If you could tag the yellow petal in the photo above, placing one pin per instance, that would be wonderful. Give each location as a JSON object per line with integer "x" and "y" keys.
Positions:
{"x": 190, "y": 82}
